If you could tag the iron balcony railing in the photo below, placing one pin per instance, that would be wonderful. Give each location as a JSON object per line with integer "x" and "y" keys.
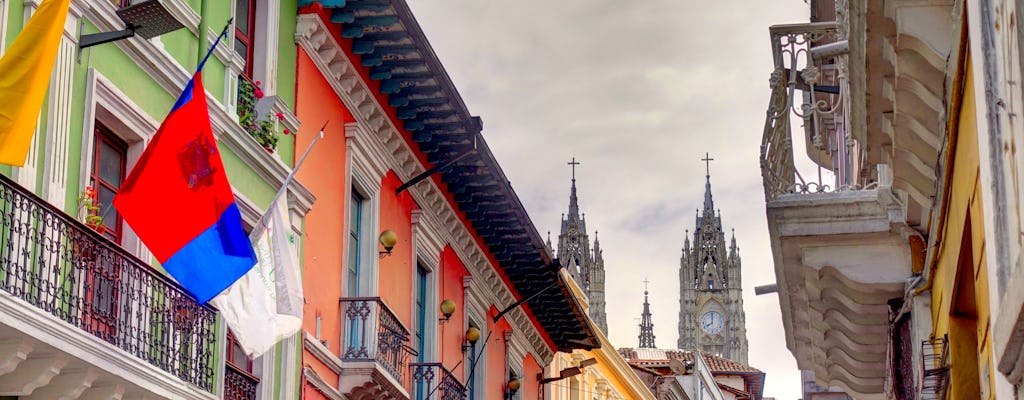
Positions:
{"x": 57, "y": 264}
{"x": 935, "y": 364}
{"x": 432, "y": 381}
{"x": 373, "y": 333}
{"x": 822, "y": 107}
{"x": 238, "y": 384}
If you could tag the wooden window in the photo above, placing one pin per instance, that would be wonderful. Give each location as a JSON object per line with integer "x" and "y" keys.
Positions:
{"x": 245, "y": 26}
{"x": 236, "y": 355}
{"x": 108, "y": 172}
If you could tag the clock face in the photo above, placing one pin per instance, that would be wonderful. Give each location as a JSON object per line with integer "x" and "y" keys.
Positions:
{"x": 712, "y": 322}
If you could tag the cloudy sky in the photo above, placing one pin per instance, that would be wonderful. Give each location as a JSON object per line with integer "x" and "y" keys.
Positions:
{"x": 637, "y": 91}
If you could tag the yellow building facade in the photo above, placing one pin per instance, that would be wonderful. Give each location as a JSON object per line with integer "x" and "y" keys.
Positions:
{"x": 598, "y": 374}
{"x": 959, "y": 287}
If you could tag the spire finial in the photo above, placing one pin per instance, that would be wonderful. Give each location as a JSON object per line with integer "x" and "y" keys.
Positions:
{"x": 574, "y": 208}
{"x": 573, "y": 164}
{"x": 707, "y": 160}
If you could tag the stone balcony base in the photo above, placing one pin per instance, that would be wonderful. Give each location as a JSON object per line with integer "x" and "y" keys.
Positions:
{"x": 839, "y": 258}
{"x": 366, "y": 380}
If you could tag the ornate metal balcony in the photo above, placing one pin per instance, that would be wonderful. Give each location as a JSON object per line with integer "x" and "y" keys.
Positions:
{"x": 238, "y": 384}
{"x": 56, "y": 264}
{"x": 823, "y": 110}
{"x": 424, "y": 376}
{"x": 373, "y": 335}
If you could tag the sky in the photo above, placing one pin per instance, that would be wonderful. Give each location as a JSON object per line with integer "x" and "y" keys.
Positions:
{"x": 636, "y": 91}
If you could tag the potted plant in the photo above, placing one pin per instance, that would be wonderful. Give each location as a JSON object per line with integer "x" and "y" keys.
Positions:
{"x": 262, "y": 128}
{"x": 88, "y": 203}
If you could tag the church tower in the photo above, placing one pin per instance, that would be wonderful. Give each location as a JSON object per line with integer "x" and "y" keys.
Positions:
{"x": 646, "y": 325}
{"x": 710, "y": 294}
{"x": 584, "y": 265}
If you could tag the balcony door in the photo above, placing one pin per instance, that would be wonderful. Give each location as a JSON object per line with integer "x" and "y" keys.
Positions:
{"x": 100, "y": 268}
{"x": 354, "y": 332}
{"x": 420, "y": 326}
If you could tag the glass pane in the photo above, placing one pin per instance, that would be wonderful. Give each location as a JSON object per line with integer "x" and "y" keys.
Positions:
{"x": 242, "y": 16}
{"x": 241, "y": 49}
{"x": 109, "y": 214}
{"x": 111, "y": 160}
{"x": 238, "y": 357}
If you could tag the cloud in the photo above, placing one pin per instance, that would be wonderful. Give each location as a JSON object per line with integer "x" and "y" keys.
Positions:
{"x": 638, "y": 91}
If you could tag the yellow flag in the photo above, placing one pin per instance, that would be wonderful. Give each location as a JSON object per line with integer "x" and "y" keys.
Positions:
{"x": 25, "y": 76}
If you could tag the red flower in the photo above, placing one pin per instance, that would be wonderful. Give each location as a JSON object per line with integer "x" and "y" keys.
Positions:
{"x": 280, "y": 116}
{"x": 259, "y": 93}
{"x": 258, "y": 83}
{"x": 286, "y": 131}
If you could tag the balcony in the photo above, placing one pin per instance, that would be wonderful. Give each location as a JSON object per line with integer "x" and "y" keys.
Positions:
{"x": 432, "y": 381}
{"x": 375, "y": 351}
{"x": 238, "y": 384}
{"x": 80, "y": 316}
{"x": 839, "y": 237}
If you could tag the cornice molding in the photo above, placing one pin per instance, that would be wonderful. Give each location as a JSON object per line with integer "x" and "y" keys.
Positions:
{"x": 391, "y": 152}
{"x": 321, "y": 352}
{"x": 320, "y": 384}
{"x": 170, "y": 75}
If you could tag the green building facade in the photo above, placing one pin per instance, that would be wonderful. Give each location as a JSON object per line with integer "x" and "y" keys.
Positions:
{"x": 102, "y": 332}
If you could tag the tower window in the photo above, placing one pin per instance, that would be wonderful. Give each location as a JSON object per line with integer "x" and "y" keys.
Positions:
{"x": 711, "y": 283}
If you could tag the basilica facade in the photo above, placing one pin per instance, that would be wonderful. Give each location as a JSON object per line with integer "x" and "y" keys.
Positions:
{"x": 710, "y": 294}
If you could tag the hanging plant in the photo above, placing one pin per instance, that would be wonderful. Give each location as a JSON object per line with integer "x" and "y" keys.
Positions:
{"x": 262, "y": 128}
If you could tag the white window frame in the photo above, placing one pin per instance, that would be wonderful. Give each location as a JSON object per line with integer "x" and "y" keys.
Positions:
{"x": 480, "y": 377}
{"x": 362, "y": 177}
{"x": 4, "y": 4}
{"x": 267, "y": 23}
{"x": 106, "y": 103}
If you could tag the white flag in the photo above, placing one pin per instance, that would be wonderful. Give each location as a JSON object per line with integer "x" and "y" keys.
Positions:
{"x": 265, "y": 305}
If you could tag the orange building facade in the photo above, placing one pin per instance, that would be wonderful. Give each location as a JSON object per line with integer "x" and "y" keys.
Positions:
{"x": 374, "y": 324}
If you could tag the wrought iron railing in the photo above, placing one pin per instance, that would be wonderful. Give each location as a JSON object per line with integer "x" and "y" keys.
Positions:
{"x": 823, "y": 111}
{"x": 238, "y": 384}
{"x": 934, "y": 368}
{"x": 432, "y": 381}
{"x": 57, "y": 264}
{"x": 373, "y": 333}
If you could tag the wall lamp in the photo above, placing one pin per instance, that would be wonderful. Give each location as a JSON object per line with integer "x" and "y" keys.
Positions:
{"x": 568, "y": 372}
{"x": 447, "y": 309}
{"x": 387, "y": 239}
{"x": 513, "y": 384}
{"x": 472, "y": 335}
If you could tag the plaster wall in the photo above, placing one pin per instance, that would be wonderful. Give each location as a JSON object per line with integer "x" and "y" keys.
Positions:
{"x": 963, "y": 246}
{"x": 324, "y": 229}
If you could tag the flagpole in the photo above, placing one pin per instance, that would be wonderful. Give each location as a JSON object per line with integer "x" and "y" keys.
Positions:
{"x": 223, "y": 34}
{"x": 288, "y": 179}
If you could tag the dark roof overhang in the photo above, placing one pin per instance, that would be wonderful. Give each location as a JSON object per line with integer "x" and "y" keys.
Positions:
{"x": 391, "y": 45}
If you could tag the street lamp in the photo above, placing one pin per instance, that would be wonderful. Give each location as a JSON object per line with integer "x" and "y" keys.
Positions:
{"x": 148, "y": 18}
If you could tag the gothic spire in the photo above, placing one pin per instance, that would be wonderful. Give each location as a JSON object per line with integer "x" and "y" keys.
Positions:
{"x": 646, "y": 325}
{"x": 709, "y": 205}
{"x": 574, "y": 207}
